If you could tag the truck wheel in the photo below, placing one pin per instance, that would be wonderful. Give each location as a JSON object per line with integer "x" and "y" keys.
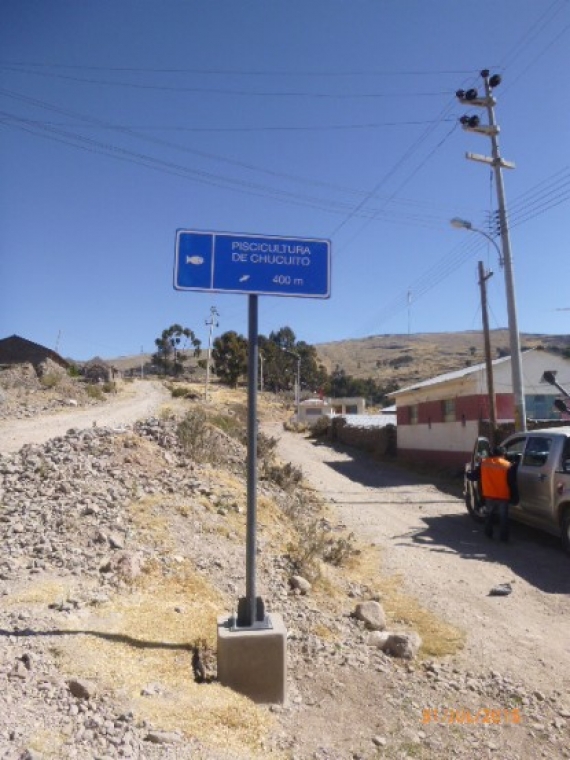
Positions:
{"x": 473, "y": 503}
{"x": 566, "y": 530}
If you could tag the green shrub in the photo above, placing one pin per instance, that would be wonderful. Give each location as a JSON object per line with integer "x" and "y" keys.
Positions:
{"x": 178, "y": 391}
{"x": 50, "y": 380}
{"x": 197, "y": 437}
{"x": 230, "y": 425}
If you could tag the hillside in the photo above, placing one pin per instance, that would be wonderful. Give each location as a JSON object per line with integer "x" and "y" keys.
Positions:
{"x": 403, "y": 359}
{"x": 406, "y": 359}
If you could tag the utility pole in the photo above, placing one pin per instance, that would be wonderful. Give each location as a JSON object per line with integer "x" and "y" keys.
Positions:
{"x": 483, "y": 277}
{"x": 491, "y": 130}
{"x": 142, "y": 363}
{"x": 211, "y": 322}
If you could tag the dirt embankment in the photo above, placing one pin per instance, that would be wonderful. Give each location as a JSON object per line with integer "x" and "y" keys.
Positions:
{"x": 80, "y": 511}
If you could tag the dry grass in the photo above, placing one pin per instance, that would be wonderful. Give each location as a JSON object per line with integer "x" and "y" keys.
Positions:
{"x": 403, "y": 611}
{"x": 405, "y": 359}
{"x": 143, "y": 639}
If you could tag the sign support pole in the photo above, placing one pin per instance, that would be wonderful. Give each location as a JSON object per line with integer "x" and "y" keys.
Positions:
{"x": 250, "y": 609}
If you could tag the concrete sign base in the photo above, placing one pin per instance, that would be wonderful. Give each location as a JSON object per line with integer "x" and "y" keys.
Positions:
{"x": 253, "y": 662}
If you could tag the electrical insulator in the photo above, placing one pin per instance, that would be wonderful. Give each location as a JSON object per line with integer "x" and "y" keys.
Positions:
{"x": 495, "y": 80}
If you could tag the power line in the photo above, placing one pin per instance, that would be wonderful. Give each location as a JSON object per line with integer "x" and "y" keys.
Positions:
{"x": 317, "y": 128}
{"x": 141, "y": 159}
{"x": 158, "y": 141}
{"x": 237, "y": 72}
{"x": 225, "y": 91}
{"x": 532, "y": 33}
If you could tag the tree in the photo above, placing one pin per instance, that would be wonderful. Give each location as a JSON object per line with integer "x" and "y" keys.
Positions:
{"x": 280, "y": 353}
{"x": 172, "y": 349}
{"x": 229, "y": 354}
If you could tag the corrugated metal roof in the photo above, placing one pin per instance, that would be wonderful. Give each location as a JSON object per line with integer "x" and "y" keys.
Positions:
{"x": 457, "y": 375}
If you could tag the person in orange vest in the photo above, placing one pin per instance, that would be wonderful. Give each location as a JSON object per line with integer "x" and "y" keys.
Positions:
{"x": 497, "y": 478}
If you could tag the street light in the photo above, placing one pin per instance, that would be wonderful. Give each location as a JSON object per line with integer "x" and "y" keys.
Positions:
{"x": 463, "y": 224}
{"x": 514, "y": 337}
{"x": 550, "y": 378}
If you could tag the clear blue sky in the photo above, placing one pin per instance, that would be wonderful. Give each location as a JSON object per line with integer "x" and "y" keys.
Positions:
{"x": 124, "y": 121}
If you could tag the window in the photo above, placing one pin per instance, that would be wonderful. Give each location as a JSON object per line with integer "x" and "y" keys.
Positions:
{"x": 515, "y": 447}
{"x": 414, "y": 414}
{"x": 351, "y": 409}
{"x": 313, "y": 412}
{"x": 540, "y": 407}
{"x": 536, "y": 452}
{"x": 449, "y": 410}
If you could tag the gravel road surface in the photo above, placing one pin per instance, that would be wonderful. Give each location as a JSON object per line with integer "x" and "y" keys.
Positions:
{"x": 135, "y": 401}
{"x": 449, "y": 565}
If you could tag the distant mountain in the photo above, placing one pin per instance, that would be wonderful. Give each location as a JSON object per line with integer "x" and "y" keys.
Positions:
{"x": 406, "y": 359}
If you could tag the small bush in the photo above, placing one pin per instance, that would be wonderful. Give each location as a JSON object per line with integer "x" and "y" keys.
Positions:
{"x": 320, "y": 428}
{"x": 178, "y": 392}
{"x": 94, "y": 392}
{"x": 50, "y": 380}
{"x": 316, "y": 545}
{"x": 266, "y": 446}
{"x": 286, "y": 476}
{"x": 230, "y": 425}
{"x": 292, "y": 426}
{"x": 110, "y": 387}
{"x": 197, "y": 437}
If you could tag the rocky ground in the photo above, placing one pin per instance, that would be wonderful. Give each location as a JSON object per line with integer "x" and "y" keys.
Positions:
{"x": 26, "y": 392}
{"x": 120, "y": 548}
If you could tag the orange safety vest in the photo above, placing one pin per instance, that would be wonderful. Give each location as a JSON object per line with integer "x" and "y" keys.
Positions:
{"x": 494, "y": 483}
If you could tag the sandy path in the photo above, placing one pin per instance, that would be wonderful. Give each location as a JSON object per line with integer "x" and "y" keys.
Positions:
{"x": 136, "y": 400}
{"x": 426, "y": 536}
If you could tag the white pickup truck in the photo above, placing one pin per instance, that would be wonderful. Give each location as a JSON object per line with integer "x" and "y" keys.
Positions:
{"x": 543, "y": 479}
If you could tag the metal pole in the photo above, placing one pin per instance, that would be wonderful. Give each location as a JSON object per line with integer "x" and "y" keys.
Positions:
{"x": 253, "y": 358}
{"x": 298, "y": 387}
{"x": 212, "y": 322}
{"x": 488, "y": 362}
{"x": 516, "y": 361}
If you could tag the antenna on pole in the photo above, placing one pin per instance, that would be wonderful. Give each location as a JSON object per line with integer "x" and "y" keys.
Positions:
{"x": 211, "y": 322}
{"x": 409, "y": 311}
{"x": 57, "y": 341}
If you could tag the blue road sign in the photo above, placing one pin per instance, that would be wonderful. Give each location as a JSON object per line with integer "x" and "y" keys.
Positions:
{"x": 227, "y": 262}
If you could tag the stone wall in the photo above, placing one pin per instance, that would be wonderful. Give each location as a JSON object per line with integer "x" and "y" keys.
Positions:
{"x": 379, "y": 441}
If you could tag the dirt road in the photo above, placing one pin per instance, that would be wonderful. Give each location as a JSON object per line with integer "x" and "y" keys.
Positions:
{"x": 135, "y": 400}
{"x": 449, "y": 566}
